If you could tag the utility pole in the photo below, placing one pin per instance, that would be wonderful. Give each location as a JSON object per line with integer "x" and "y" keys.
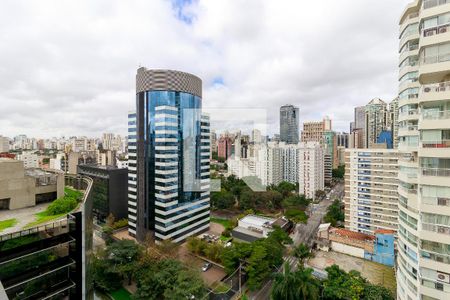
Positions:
{"x": 240, "y": 283}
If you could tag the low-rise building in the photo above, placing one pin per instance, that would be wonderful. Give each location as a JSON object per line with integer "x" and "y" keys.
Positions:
{"x": 21, "y": 188}
{"x": 378, "y": 247}
{"x": 251, "y": 227}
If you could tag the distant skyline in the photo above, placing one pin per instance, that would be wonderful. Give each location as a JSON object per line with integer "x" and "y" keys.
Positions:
{"x": 68, "y": 67}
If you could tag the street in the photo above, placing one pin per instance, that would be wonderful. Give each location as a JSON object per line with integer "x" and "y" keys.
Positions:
{"x": 304, "y": 233}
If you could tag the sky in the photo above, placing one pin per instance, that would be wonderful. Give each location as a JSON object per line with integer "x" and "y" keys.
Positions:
{"x": 68, "y": 67}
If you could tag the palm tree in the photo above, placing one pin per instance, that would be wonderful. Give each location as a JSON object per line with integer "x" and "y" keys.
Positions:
{"x": 284, "y": 285}
{"x": 301, "y": 252}
{"x": 295, "y": 285}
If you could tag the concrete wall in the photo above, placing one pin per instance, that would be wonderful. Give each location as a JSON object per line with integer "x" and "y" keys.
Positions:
{"x": 346, "y": 249}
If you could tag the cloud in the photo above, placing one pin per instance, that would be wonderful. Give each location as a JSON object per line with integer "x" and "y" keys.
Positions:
{"x": 68, "y": 67}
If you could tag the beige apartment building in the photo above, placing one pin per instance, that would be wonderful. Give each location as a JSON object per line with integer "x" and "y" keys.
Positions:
{"x": 20, "y": 187}
{"x": 371, "y": 197}
{"x": 423, "y": 262}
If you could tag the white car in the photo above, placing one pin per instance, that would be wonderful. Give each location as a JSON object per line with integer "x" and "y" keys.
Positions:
{"x": 206, "y": 267}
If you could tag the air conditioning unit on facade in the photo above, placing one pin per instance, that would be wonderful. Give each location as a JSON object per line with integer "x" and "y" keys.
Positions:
{"x": 443, "y": 277}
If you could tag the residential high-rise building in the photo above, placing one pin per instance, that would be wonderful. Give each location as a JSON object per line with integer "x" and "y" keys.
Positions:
{"x": 358, "y": 129}
{"x": 30, "y": 160}
{"x": 393, "y": 121}
{"x": 330, "y": 142}
{"x": 376, "y": 121}
{"x": 172, "y": 159}
{"x": 423, "y": 262}
{"x": 4, "y": 144}
{"x": 289, "y": 124}
{"x": 313, "y": 131}
{"x": 256, "y": 137}
{"x": 224, "y": 148}
{"x": 371, "y": 198}
{"x": 342, "y": 139}
{"x": 213, "y": 141}
{"x": 310, "y": 168}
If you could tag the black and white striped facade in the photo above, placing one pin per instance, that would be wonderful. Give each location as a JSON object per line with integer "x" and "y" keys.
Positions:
{"x": 132, "y": 194}
{"x": 169, "y": 176}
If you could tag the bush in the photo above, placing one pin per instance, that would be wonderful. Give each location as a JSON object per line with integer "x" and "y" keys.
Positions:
{"x": 120, "y": 224}
{"x": 61, "y": 206}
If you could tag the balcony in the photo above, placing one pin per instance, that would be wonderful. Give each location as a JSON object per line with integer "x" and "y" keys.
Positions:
{"x": 411, "y": 114}
{"x": 435, "y": 144}
{"x": 408, "y": 130}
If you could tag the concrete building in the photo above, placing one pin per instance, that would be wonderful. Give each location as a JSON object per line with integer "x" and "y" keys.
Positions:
{"x": 106, "y": 157}
{"x": 311, "y": 168}
{"x": 289, "y": 124}
{"x": 423, "y": 263}
{"x": 377, "y": 120}
{"x": 393, "y": 121}
{"x": 109, "y": 190}
{"x": 4, "y": 144}
{"x": 330, "y": 142}
{"x": 371, "y": 197}
{"x": 30, "y": 160}
{"x": 313, "y": 131}
{"x": 342, "y": 139}
{"x": 20, "y": 187}
{"x": 225, "y": 146}
{"x": 172, "y": 156}
{"x": 213, "y": 138}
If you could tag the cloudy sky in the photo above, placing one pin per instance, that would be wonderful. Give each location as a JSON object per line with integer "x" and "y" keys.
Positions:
{"x": 68, "y": 67}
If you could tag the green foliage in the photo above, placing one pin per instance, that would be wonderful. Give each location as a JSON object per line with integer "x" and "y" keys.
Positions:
{"x": 295, "y": 285}
{"x": 259, "y": 257}
{"x": 222, "y": 200}
{"x": 302, "y": 252}
{"x": 168, "y": 279}
{"x": 334, "y": 213}
{"x": 121, "y": 294}
{"x": 339, "y": 172}
{"x": 61, "y": 206}
{"x": 342, "y": 285}
{"x": 296, "y": 201}
{"x": 296, "y": 215}
{"x": 19, "y": 241}
{"x": 120, "y": 224}
{"x": 212, "y": 251}
{"x": 285, "y": 188}
{"x": 7, "y": 223}
{"x": 119, "y": 259}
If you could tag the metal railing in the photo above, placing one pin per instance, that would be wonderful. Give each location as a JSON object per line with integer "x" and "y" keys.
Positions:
{"x": 436, "y": 87}
{"x": 436, "y": 30}
{"x": 436, "y": 115}
{"x": 433, "y": 3}
{"x": 436, "y": 172}
{"x": 436, "y": 144}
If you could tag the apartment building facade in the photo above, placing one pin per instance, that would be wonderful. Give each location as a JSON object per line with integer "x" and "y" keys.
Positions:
{"x": 423, "y": 263}
{"x": 371, "y": 197}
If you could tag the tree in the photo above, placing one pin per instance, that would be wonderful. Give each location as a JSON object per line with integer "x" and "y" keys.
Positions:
{"x": 124, "y": 256}
{"x": 302, "y": 252}
{"x": 103, "y": 276}
{"x": 285, "y": 188}
{"x": 168, "y": 247}
{"x": 279, "y": 236}
{"x": 342, "y": 285}
{"x": 296, "y": 215}
{"x": 296, "y": 201}
{"x": 320, "y": 194}
{"x": 222, "y": 200}
{"x": 187, "y": 285}
{"x": 339, "y": 172}
{"x": 334, "y": 213}
{"x": 295, "y": 285}
{"x": 258, "y": 267}
{"x": 376, "y": 292}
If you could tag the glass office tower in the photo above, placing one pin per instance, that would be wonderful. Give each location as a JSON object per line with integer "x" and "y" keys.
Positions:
{"x": 171, "y": 142}
{"x": 289, "y": 119}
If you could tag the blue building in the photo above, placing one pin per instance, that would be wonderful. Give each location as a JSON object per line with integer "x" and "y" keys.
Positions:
{"x": 383, "y": 248}
{"x": 385, "y": 137}
{"x": 169, "y": 196}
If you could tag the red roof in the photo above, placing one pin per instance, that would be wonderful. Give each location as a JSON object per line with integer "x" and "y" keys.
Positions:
{"x": 352, "y": 234}
{"x": 386, "y": 231}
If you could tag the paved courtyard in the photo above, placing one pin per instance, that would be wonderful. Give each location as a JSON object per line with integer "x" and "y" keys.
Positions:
{"x": 23, "y": 216}
{"x": 376, "y": 273}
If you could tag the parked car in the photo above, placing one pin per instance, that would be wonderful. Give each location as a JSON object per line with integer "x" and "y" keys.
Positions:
{"x": 206, "y": 267}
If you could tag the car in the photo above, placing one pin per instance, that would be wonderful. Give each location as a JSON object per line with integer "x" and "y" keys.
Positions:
{"x": 228, "y": 245}
{"x": 206, "y": 267}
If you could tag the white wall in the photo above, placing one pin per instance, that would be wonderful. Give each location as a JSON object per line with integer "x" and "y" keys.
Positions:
{"x": 346, "y": 249}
